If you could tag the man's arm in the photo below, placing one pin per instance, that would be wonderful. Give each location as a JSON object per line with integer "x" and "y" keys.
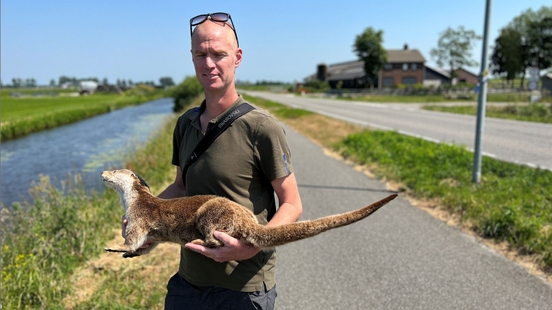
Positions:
{"x": 290, "y": 208}
{"x": 234, "y": 249}
{"x": 177, "y": 189}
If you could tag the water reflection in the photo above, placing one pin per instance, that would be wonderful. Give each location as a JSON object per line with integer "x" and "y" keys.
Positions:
{"x": 86, "y": 147}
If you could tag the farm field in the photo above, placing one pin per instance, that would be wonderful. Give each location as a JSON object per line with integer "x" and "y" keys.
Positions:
{"x": 29, "y": 112}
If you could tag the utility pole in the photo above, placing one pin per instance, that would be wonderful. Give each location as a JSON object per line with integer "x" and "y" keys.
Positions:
{"x": 482, "y": 100}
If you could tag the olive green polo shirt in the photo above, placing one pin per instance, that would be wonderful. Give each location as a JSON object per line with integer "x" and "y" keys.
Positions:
{"x": 240, "y": 165}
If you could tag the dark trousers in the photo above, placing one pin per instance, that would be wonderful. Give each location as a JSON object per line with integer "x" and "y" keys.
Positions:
{"x": 184, "y": 295}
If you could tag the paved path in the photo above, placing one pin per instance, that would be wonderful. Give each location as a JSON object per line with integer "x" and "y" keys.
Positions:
{"x": 514, "y": 141}
{"x": 399, "y": 258}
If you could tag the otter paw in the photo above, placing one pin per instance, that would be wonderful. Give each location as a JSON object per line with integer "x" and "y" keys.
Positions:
{"x": 198, "y": 241}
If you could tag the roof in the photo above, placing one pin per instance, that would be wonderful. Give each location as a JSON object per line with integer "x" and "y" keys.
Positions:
{"x": 443, "y": 72}
{"x": 404, "y": 55}
{"x": 346, "y": 71}
{"x": 351, "y": 70}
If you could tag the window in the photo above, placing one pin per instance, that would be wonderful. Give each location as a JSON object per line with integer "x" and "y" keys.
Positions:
{"x": 414, "y": 66}
{"x": 405, "y": 67}
{"x": 388, "y": 67}
{"x": 387, "y": 81}
{"x": 409, "y": 80}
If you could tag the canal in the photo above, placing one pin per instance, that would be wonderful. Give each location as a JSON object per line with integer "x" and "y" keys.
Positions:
{"x": 84, "y": 148}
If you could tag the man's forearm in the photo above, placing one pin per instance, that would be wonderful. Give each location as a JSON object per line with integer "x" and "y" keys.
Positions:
{"x": 173, "y": 191}
{"x": 287, "y": 213}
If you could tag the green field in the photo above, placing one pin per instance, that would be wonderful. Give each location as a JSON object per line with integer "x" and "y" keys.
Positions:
{"x": 33, "y": 111}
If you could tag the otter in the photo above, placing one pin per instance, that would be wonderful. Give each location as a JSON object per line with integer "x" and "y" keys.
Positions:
{"x": 195, "y": 218}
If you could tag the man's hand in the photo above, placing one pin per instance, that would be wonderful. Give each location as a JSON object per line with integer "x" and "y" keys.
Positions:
{"x": 233, "y": 249}
{"x": 123, "y": 233}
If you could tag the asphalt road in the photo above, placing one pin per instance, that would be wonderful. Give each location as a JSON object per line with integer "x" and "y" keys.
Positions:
{"x": 514, "y": 141}
{"x": 399, "y": 258}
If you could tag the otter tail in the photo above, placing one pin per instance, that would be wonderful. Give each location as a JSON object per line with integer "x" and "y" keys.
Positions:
{"x": 278, "y": 235}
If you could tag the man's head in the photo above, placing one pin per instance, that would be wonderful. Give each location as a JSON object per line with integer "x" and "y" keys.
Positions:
{"x": 215, "y": 54}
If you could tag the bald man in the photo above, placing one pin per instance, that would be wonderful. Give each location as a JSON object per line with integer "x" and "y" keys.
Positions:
{"x": 247, "y": 163}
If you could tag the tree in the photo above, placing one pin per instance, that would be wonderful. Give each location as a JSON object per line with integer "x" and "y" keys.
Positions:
{"x": 52, "y": 83}
{"x": 16, "y": 82}
{"x": 65, "y": 79}
{"x": 454, "y": 49}
{"x": 166, "y": 81}
{"x": 30, "y": 82}
{"x": 539, "y": 43}
{"x": 535, "y": 28}
{"x": 508, "y": 54}
{"x": 368, "y": 47}
{"x": 185, "y": 92}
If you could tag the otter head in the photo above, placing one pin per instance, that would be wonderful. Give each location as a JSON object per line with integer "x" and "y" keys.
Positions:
{"x": 126, "y": 183}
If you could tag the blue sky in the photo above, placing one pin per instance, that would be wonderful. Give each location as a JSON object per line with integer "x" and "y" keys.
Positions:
{"x": 282, "y": 40}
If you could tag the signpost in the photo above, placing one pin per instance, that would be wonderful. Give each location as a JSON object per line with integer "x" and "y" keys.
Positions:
{"x": 533, "y": 83}
{"x": 482, "y": 100}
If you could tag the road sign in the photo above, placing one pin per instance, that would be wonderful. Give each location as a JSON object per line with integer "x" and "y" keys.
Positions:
{"x": 533, "y": 84}
{"x": 534, "y": 72}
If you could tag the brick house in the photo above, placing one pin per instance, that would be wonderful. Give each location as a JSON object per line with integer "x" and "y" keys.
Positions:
{"x": 405, "y": 66}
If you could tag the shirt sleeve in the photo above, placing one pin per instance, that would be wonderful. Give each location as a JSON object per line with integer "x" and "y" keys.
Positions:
{"x": 273, "y": 150}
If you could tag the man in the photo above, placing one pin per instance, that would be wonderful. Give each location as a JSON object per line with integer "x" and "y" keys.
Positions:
{"x": 247, "y": 163}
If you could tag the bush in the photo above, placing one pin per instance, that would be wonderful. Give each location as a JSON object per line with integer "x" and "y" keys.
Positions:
{"x": 185, "y": 92}
{"x": 317, "y": 86}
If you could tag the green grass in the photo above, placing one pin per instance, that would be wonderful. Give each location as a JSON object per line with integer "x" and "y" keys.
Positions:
{"x": 401, "y": 99}
{"x": 25, "y": 115}
{"x": 512, "y": 202}
{"x": 510, "y": 98}
{"x": 537, "y": 112}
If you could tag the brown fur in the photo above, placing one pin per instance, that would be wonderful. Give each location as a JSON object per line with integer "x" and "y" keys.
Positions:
{"x": 195, "y": 219}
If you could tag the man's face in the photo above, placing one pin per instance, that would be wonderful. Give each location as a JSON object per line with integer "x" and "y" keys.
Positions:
{"x": 215, "y": 55}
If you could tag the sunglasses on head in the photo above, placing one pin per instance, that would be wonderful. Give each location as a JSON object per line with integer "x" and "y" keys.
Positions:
{"x": 216, "y": 17}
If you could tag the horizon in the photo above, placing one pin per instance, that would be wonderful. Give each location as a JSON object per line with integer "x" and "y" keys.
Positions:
{"x": 282, "y": 42}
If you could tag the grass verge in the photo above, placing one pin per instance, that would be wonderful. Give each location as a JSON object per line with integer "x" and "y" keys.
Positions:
{"x": 510, "y": 98}
{"x": 537, "y": 112}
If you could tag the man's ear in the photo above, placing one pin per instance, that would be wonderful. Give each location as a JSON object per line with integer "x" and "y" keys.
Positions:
{"x": 238, "y": 57}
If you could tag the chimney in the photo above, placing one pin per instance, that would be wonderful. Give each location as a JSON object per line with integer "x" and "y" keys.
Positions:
{"x": 322, "y": 72}
{"x": 405, "y": 46}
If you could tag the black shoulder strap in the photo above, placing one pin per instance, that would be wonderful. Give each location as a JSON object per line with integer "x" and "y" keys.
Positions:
{"x": 213, "y": 133}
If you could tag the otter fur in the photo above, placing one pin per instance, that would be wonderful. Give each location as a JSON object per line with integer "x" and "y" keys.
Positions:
{"x": 196, "y": 218}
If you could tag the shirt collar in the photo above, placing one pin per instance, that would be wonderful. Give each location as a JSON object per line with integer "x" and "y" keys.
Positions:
{"x": 194, "y": 117}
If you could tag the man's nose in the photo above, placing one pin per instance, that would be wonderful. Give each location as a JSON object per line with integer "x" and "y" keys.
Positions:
{"x": 209, "y": 62}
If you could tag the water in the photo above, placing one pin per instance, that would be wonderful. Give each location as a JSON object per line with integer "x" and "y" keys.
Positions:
{"x": 86, "y": 148}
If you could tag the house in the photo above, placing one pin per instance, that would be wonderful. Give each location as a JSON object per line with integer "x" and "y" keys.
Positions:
{"x": 404, "y": 67}
{"x": 439, "y": 76}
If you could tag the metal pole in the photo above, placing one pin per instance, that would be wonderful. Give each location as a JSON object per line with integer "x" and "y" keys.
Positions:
{"x": 482, "y": 100}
